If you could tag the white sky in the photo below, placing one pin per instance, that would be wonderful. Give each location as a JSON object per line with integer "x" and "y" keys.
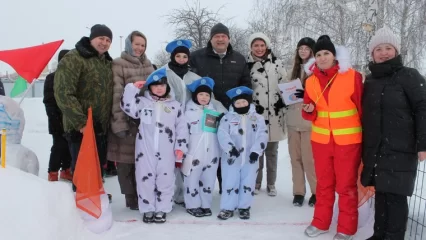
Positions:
{"x": 27, "y": 23}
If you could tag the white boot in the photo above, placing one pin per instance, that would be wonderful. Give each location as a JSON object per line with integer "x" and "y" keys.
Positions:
{"x": 312, "y": 231}
{"x": 342, "y": 236}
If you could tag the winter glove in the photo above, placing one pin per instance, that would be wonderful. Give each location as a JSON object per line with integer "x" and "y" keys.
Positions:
{"x": 279, "y": 104}
{"x": 179, "y": 157}
{"x": 259, "y": 109}
{"x": 139, "y": 84}
{"x": 234, "y": 152}
{"x": 253, "y": 157}
{"x": 122, "y": 134}
{"x": 299, "y": 93}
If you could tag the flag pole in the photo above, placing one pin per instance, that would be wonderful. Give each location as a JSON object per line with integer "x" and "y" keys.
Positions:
{"x": 28, "y": 89}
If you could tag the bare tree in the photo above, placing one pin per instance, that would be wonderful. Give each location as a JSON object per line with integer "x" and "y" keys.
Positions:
{"x": 161, "y": 58}
{"x": 239, "y": 39}
{"x": 193, "y": 22}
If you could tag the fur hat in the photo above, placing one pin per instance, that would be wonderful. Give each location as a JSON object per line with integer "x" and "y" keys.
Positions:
{"x": 306, "y": 41}
{"x": 261, "y": 36}
{"x": 219, "y": 28}
{"x": 324, "y": 43}
{"x": 100, "y": 30}
{"x": 385, "y": 35}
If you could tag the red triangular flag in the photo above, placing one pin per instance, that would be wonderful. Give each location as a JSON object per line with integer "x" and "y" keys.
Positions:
{"x": 87, "y": 174}
{"x": 29, "y": 62}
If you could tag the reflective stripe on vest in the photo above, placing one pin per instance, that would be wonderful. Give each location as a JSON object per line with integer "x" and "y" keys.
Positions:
{"x": 340, "y": 117}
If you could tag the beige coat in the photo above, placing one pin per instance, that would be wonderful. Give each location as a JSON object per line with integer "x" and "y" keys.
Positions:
{"x": 126, "y": 69}
{"x": 265, "y": 77}
{"x": 294, "y": 119}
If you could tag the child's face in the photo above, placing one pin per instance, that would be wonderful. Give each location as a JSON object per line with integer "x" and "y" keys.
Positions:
{"x": 159, "y": 90}
{"x": 203, "y": 98}
{"x": 181, "y": 58}
{"x": 241, "y": 103}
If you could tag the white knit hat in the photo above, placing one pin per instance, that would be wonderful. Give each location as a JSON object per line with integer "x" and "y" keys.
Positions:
{"x": 385, "y": 35}
{"x": 261, "y": 36}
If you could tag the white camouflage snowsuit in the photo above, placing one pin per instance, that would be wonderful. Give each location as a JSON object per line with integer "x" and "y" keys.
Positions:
{"x": 204, "y": 154}
{"x": 248, "y": 133}
{"x": 162, "y": 131}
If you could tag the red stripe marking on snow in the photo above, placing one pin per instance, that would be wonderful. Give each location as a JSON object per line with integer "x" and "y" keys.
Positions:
{"x": 220, "y": 222}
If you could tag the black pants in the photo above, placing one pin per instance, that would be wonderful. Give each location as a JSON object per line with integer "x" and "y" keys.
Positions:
{"x": 391, "y": 216}
{"x": 74, "y": 141}
{"x": 60, "y": 156}
{"x": 126, "y": 178}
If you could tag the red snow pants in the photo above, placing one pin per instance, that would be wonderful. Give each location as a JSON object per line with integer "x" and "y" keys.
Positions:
{"x": 336, "y": 167}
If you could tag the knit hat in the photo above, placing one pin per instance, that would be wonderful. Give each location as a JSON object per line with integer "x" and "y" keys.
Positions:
{"x": 306, "y": 41}
{"x": 324, "y": 43}
{"x": 261, "y": 36}
{"x": 385, "y": 35}
{"x": 62, "y": 54}
{"x": 219, "y": 28}
{"x": 100, "y": 30}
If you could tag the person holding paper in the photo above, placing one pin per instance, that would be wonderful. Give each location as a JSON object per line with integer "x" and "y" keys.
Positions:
{"x": 201, "y": 162}
{"x": 333, "y": 103}
{"x": 299, "y": 130}
{"x": 243, "y": 137}
{"x": 266, "y": 72}
{"x": 394, "y": 104}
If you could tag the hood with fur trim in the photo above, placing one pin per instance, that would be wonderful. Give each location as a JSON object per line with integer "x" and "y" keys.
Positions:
{"x": 342, "y": 56}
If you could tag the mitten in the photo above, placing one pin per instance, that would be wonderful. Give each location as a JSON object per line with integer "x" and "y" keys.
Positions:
{"x": 139, "y": 84}
{"x": 234, "y": 152}
{"x": 179, "y": 155}
{"x": 299, "y": 93}
{"x": 253, "y": 157}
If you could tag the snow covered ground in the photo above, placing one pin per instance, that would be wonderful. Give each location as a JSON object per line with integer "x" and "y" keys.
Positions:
{"x": 272, "y": 217}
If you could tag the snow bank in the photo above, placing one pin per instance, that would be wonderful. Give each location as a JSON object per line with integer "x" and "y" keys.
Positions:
{"x": 33, "y": 208}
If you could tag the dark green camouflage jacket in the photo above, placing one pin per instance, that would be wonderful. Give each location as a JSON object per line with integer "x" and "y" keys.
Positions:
{"x": 84, "y": 79}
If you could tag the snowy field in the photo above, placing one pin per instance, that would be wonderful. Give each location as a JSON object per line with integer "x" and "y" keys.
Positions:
{"x": 271, "y": 217}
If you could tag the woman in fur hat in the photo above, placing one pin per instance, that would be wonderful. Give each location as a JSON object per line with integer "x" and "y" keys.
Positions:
{"x": 132, "y": 66}
{"x": 394, "y": 105}
{"x": 333, "y": 103}
{"x": 266, "y": 72}
{"x": 299, "y": 130}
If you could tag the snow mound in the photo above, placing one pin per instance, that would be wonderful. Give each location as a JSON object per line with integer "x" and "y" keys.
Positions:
{"x": 33, "y": 208}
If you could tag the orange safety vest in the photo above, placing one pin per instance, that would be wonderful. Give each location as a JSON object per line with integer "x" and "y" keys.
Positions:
{"x": 339, "y": 116}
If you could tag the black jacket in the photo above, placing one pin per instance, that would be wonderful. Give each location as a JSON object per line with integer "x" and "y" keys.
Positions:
{"x": 229, "y": 72}
{"x": 54, "y": 114}
{"x": 394, "y": 126}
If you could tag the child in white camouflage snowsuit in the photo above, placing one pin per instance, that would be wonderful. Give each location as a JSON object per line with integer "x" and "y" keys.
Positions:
{"x": 160, "y": 143}
{"x": 203, "y": 154}
{"x": 243, "y": 136}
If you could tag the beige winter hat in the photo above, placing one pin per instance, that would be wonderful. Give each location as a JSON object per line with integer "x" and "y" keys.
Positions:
{"x": 385, "y": 35}
{"x": 261, "y": 36}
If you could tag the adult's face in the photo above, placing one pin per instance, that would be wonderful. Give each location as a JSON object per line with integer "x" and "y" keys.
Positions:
{"x": 383, "y": 52}
{"x": 101, "y": 44}
{"x": 138, "y": 46}
{"x": 304, "y": 52}
{"x": 324, "y": 59}
{"x": 258, "y": 48}
{"x": 220, "y": 42}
